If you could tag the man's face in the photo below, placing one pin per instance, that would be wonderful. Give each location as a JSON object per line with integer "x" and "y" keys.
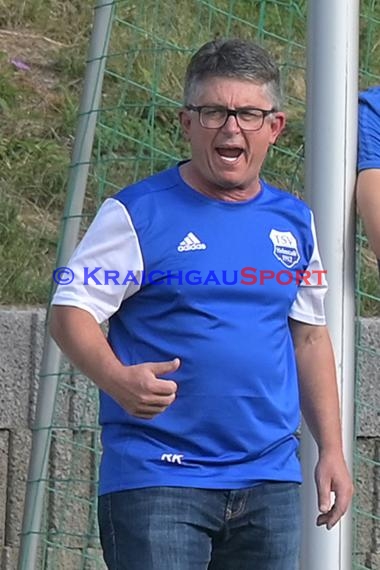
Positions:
{"x": 229, "y": 157}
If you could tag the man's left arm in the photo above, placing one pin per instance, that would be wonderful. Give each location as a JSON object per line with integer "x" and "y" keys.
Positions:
{"x": 320, "y": 408}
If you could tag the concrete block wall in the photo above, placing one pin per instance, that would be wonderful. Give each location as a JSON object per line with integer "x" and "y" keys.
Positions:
{"x": 71, "y": 520}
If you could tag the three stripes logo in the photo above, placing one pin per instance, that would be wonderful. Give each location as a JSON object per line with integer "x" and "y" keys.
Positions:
{"x": 191, "y": 243}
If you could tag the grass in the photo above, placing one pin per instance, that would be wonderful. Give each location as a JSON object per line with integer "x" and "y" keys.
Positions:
{"x": 38, "y": 107}
{"x": 137, "y": 131}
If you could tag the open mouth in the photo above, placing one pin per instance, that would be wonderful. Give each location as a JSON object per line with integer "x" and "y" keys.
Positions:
{"x": 229, "y": 154}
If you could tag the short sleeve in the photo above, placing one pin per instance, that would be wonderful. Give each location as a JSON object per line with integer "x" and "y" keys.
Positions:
{"x": 107, "y": 265}
{"x": 369, "y": 129}
{"x": 308, "y": 306}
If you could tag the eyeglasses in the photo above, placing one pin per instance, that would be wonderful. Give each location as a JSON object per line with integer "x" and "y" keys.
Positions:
{"x": 248, "y": 118}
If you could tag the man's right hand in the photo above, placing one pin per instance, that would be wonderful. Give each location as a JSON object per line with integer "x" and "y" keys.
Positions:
{"x": 140, "y": 390}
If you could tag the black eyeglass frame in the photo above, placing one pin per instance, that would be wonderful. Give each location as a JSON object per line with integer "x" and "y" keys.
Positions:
{"x": 233, "y": 113}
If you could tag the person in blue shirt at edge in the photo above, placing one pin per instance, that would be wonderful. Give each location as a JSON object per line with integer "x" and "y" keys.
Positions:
{"x": 368, "y": 178}
{"x": 208, "y": 361}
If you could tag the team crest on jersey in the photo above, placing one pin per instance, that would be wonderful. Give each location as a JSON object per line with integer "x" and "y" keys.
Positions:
{"x": 285, "y": 247}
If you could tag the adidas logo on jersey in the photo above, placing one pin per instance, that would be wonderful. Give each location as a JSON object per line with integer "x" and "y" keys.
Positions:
{"x": 191, "y": 243}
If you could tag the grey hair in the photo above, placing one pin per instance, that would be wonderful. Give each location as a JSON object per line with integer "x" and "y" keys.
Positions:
{"x": 237, "y": 59}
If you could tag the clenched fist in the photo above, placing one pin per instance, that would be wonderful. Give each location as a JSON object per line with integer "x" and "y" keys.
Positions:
{"x": 140, "y": 390}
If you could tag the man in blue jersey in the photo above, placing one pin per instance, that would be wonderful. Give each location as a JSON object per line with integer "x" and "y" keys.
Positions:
{"x": 368, "y": 180}
{"x": 213, "y": 286}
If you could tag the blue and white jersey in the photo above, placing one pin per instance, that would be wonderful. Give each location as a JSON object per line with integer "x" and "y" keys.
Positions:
{"x": 369, "y": 129}
{"x": 179, "y": 274}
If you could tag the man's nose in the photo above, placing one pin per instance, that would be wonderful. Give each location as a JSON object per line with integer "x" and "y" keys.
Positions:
{"x": 231, "y": 125}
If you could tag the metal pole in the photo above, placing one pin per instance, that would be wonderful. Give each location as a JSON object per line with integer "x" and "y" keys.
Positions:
{"x": 50, "y": 365}
{"x": 331, "y": 131}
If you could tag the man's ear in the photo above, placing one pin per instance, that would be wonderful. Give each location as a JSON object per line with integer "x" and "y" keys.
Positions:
{"x": 185, "y": 122}
{"x": 277, "y": 126}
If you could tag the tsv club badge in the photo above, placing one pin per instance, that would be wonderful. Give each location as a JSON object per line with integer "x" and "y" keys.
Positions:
{"x": 285, "y": 247}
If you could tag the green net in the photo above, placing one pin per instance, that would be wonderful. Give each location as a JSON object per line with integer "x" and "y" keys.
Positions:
{"x": 137, "y": 134}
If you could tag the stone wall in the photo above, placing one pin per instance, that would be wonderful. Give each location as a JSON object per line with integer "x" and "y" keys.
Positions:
{"x": 21, "y": 339}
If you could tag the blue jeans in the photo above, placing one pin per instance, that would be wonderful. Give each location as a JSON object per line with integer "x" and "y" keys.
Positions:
{"x": 174, "y": 528}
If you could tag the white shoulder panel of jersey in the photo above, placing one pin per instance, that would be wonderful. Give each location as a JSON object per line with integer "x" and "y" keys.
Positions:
{"x": 308, "y": 306}
{"x": 107, "y": 265}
